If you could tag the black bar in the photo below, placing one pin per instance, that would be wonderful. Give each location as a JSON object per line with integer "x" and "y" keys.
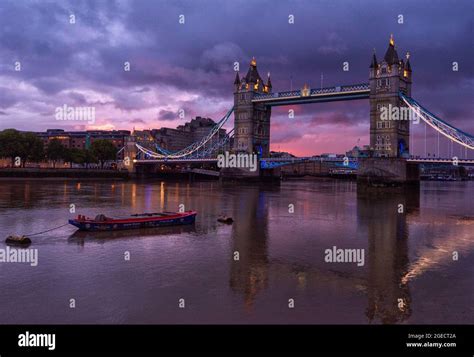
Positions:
{"x": 241, "y": 339}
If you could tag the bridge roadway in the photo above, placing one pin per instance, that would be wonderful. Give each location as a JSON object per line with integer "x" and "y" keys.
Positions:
{"x": 214, "y": 160}
{"x": 296, "y": 160}
{"x": 306, "y": 95}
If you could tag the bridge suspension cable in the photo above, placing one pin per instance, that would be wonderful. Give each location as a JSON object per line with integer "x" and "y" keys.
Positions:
{"x": 449, "y": 131}
{"x": 164, "y": 154}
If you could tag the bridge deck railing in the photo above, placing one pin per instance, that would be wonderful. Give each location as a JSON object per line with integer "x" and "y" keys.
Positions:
{"x": 314, "y": 91}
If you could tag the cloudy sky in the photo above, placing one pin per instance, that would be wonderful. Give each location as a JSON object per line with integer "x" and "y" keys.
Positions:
{"x": 189, "y": 66}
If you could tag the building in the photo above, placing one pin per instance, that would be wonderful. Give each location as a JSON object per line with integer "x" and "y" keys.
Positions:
{"x": 84, "y": 139}
{"x": 387, "y": 78}
{"x": 359, "y": 152}
{"x": 281, "y": 154}
{"x": 184, "y": 135}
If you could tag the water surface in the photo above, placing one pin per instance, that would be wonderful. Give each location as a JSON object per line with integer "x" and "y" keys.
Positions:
{"x": 409, "y": 275}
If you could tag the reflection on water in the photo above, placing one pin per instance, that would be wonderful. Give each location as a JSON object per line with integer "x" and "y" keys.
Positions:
{"x": 386, "y": 220}
{"x": 249, "y": 274}
{"x": 81, "y": 237}
{"x": 248, "y": 271}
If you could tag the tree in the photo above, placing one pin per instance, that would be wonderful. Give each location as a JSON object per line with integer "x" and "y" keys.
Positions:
{"x": 55, "y": 151}
{"x": 103, "y": 150}
{"x": 10, "y": 144}
{"x": 87, "y": 157}
{"x": 73, "y": 156}
{"x": 32, "y": 148}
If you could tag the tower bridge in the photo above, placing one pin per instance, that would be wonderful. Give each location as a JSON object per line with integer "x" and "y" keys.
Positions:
{"x": 389, "y": 86}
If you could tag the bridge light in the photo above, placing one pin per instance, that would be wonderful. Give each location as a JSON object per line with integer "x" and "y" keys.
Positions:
{"x": 405, "y": 73}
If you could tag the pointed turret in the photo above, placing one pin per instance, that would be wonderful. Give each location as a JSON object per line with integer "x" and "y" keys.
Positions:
{"x": 407, "y": 64}
{"x": 391, "y": 56}
{"x": 237, "y": 78}
{"x": 252, "y": 76}
{"x": 269, "y": 83}
{"x": 373, "y": 64}
{"x": 237, "y": 82}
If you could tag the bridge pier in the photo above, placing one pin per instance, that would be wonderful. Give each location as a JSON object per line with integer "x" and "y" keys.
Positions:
{"x": 130, "y": 154}
{"x": 245, "y": 175}
{"x": 239, "y": 174}
{"x": 387, "y": 172}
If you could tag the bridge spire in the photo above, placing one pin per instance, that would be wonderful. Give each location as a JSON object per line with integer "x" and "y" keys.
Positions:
{"x": 253, "y": 62}
{"x": 407, "y": 65}
{"x": 391, "y": 56}
{"x": 237, "y": 78}
{"x": 269, "y": 83}
{"x": 236, "y": 82}
{"x": 253, "y": 78}
{"x": 373, "y": 64}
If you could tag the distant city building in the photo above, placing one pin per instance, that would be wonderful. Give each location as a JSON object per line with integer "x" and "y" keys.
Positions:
{"x": 329, "y": 155}
{"x": 186, "y": 134}
{"x": 281, "y": 154}
{"x": 83, "y": 139}
{"x": 358, "y": 152}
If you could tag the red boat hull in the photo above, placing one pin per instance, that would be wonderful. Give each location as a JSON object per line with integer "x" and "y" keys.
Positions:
{"x": 111, "y": 224}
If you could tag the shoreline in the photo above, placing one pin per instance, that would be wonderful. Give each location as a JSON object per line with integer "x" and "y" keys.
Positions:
{"x": 50, "y": 174}
{"x": 62, "y": 173}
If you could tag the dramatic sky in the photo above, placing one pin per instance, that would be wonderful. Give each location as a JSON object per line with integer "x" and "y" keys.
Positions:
{"x": 190, "y": 66}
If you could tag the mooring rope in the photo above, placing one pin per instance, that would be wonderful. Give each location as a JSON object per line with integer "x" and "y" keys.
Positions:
{"x": 49, "y": 230}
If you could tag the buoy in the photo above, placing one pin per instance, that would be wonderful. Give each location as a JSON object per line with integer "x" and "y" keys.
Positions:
{"x": 22, "y": 240}
{"x": 225, "y": 219}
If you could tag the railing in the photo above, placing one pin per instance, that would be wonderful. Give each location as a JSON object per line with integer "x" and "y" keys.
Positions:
{"x": 313, "y": 92}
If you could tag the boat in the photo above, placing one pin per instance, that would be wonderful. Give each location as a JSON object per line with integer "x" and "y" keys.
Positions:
{"x": 135, "y": 221}
{"x": 19, "y": 240}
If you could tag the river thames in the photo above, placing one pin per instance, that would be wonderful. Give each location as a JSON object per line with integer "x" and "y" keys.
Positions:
{"x": 418, "y": 266}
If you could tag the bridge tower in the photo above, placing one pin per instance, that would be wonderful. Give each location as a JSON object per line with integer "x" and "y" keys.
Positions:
{"x": 130, "y": 153}
{"x": 251, "y": 121}
{"x": 389, "y": 138}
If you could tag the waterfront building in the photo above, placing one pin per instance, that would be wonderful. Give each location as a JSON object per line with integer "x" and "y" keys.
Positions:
{"x": 356, "y": 151}
{"x": 83, "y": 139}
{"x": 184, "y": 135}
